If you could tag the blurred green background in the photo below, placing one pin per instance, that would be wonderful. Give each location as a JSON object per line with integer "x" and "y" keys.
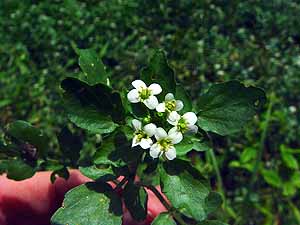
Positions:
{"x": 256, "y": 42}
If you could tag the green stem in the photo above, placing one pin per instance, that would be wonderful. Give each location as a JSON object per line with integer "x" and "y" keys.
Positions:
{"x": 176, "y": 215}
{"x": 262, "y": 141}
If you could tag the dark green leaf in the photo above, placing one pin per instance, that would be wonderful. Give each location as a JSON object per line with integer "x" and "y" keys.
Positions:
{"x": 19, "y": 170}
{"x": 213, "y": 202}
{"x": 182, "y": 95}
{"x": 88, "y": 117}
{"x": 136, "y": 198}
{"x": 92, "y": 66}
{"x": 226, "y": 107}
{"x": 70, "y": 144}
{"x": 163, "y": 219}
{"x": 159, "y": 71}
{"x": 186, "y": 193}
{"x": 63, "y": 172}
{"x": 100, "y": 172}
{"x": 212, "y": 222}
{"x": 31, "y": 141}
{"x": 90, "y": 203}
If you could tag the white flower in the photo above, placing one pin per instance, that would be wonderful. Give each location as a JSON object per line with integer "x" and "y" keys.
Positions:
{"x": 165, "y": 144}
{"x": 170, "y": 104}
{"x": 144, "y": 94}
{"x": 142, "y": 135}
{"x": 183, "y": 124}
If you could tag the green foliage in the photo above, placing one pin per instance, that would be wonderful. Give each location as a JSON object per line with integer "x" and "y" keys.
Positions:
{"x": 226, "y": 107}
{"x": 163, "y": 219}
{"x": 100, "y": 205}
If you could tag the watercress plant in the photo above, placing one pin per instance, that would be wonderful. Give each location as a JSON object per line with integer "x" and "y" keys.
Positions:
{"x": 147, "y": 131}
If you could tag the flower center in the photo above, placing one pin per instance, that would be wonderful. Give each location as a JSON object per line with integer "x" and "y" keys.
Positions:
{"x": 182, "y": 126}
{"x": 171, "y": 105}
{"x": 165, "y": 144}
{"x": 140, "y": 135}
{"x": 144, "y": 93}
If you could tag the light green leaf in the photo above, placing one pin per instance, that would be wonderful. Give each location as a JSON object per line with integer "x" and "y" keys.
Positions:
{"x": 160, "y": 72}
{"x": 163, "y": 219}
{"x": 90, "y": 203}
{"x": 92, "y": 66}
{"x": 289, "y": 160}
{"x": 226, "y": 107}
{"x": 272, "y": 178}
{"x": 248, "y": 154}
{"x": 186, "y": 193}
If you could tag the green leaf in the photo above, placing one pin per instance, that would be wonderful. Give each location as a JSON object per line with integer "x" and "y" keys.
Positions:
{"x": 212, "y": 222}
{"x": 19, "y": 170}
{"x": 272, "y": 178}
{"x": 70, "y": 145}
{"x": 30, "y": 139}
{"x": 98, "y": 172}
{"x": 248, "y": 154}
{"x": 95, "y": 107}
{"x": 160, "y": 72}
{"x": 63, "y": 172}
{"x": 90, "y": 203}
{"x": 182, "y": 95}
{"x": 184, "y": 146}
{"x": 117, "y": 150}
{"x": 289, "y": 189}
{"x": 289, "y": 160}
{"x": 163, "y": 219}
{"x": 186, "y": 192}
{"x": 136, "y": 199}
{"x": 226, "y": 107}
{"x": 92, "y": 66}
{"x": 213, "y": 202}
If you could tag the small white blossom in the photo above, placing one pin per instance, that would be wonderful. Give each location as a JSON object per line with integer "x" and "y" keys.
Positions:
{"x": 144, "y": 94}
{"x": 142, "y": 135}
{"x": 184, "y": 123}
{"x": 165, "y": 144}
{"x": 170, "y": 104}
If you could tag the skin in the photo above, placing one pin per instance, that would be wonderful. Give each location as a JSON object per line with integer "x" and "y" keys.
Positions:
{"x": 33, "y": 201}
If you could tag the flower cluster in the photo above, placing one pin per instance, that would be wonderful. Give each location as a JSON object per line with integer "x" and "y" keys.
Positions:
{"x": 156, "y": 138}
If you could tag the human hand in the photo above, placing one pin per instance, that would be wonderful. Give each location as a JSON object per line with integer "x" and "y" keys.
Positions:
{"x": 33, "y": 201}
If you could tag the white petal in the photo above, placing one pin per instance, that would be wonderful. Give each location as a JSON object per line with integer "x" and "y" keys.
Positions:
{"x": 146, "y": 143}
{"x": 190, "y": 118}
{"x": 150, "y": 129}
{"x": 175, "y": 137}
{"x": 160, "y": 133}
{"x": 155, "y": 151}
{"x": 151, "y": 102}
{"x": 179, "y": 105}
{"x": 155, "y": 89}
{"x": 137, "y": 125}
{"x": 171, "y": 153}
{"x": 133, "y": 96}
{"x": 173, "y": 118}
{"x": 192, "y": 129}
{"x": 161, "y": 107}
{"x": 138, "y": 84}
{"x": 169, "y": 97}
{"x": 135, "y": 142}
{"x": 173, "y": 130}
